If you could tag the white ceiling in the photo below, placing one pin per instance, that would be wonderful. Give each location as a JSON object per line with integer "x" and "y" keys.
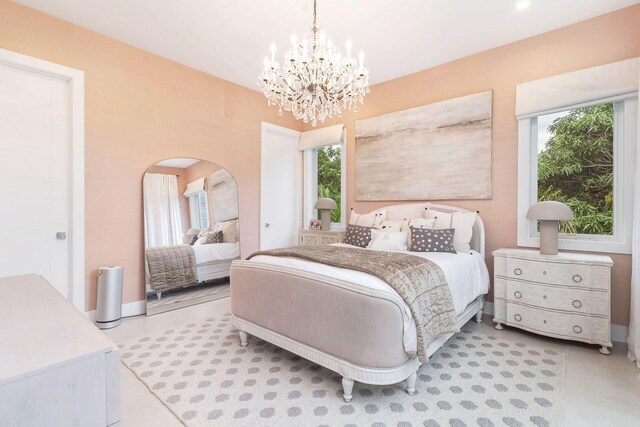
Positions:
{"x": 181, "y": 163}
{"x": 229, "y": 38}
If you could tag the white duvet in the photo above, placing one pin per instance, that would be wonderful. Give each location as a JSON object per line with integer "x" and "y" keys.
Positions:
{"x": 216, "y": 252}
{"x": 466, "y": 275}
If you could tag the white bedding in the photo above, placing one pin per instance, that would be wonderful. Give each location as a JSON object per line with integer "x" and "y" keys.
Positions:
{"x": 216, "y": 252}
{"x": 466, "y": 275}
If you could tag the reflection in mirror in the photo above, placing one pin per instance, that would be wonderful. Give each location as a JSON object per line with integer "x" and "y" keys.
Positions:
{"x": 191, "y": 232}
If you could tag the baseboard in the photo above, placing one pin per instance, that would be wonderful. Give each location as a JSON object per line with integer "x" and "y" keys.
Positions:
{"x": 618, "y": 333}
{"x": 130, "y": 309}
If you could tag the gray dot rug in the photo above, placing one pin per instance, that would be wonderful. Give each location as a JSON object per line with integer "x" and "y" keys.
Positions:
{"x": 203, "y": 375}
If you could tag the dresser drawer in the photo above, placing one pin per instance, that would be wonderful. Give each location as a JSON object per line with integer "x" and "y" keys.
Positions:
{"x": 566, "y": 299}
{"x": 561, "y": 325}
{"x": 549, "y": 272}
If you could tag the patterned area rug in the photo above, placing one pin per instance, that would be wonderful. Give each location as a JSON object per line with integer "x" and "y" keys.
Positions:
{"x": 205, "y": 378}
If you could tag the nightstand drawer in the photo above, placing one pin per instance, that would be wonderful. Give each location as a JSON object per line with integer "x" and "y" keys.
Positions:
{"x": 574, "y": 300}
{"x": 561, "y": 325}
{"x": 549, "y": 272}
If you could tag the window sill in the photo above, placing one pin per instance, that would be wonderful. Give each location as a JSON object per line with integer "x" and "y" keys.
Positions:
{"x": 601, "y": 246}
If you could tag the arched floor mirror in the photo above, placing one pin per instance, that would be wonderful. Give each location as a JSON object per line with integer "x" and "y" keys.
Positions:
{"x": 191, "y": 232}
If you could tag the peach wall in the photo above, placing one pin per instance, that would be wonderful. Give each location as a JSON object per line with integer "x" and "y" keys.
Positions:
{"x": 139, "y": 109}
{"x": 608, "y": 38}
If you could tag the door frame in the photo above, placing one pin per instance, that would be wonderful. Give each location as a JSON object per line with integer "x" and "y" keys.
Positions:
{"x": 75, "y": 79}
{"x": 297, "y": 202}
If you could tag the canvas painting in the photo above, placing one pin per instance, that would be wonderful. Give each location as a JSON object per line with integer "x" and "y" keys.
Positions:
{"x": 224, "y": 195}
{"x": 439, "y": 151}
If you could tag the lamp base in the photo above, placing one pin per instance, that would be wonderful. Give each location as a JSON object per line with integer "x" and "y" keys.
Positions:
{"x": 549, "y": 237}
{"x": 325, "y": 219}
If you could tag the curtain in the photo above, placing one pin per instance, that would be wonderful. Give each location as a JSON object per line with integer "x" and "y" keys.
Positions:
{"x": 162, "y": 222}
{"x": 634, "y": 326}
{"x": 329, "y": 135}
{"x": 570, "y": 89}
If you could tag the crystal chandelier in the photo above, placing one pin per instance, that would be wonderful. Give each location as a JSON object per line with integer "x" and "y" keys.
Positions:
{"x": 315, "y": 80}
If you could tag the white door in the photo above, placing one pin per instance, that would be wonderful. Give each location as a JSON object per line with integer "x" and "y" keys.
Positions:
{"x": 281, "y": 187}
{"x": 34, "y": 171}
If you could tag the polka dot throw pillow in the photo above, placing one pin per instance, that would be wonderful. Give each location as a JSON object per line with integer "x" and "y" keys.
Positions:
{"x": 357, "y": 235}
{"x": 425, "y": 240}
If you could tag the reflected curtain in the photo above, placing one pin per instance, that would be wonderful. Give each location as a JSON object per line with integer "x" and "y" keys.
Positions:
{"x": 162, "y": 222}
{"x": 634, "y": 326}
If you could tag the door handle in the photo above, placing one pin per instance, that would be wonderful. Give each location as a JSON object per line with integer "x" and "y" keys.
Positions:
{"x": 267, "y": 225}
{"x": 61, "y": 235}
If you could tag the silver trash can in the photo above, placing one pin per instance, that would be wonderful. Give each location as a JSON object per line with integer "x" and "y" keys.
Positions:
{"x": 109, "y": 307}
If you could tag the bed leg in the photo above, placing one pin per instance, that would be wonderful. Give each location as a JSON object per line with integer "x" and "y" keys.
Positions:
{"x": 347, "y": 387}
{"x": 243, "y": 338}
{"x": 159, "y": 294}
{"x": 411, "y": 383}
{"x": 480, "y": 312}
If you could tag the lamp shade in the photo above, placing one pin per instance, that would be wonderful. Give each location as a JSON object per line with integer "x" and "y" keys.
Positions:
{"x": 550, "y": 211}
{"x": 326, "y": 203}
{"x": 193, "y": 231}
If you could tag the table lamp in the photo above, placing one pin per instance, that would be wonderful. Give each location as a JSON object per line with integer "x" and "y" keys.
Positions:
{"x": 325, "y": 206}
{"x": 549, "y": 213}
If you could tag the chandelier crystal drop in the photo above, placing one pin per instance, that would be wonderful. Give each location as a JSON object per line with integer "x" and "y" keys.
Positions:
{"x": 315, "y": 80}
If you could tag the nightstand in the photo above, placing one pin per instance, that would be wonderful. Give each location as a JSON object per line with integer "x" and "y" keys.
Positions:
{"x": 319, "y": 237}
{"x": 563, "y": 296}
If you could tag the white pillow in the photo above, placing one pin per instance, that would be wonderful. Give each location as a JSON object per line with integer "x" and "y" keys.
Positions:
{"x": 228, "y": 229}
{"x": 388, "y": 240}
{"x": 417, "y": 223}
{"x": 394, "y": 226}
{"x": 372, "y": 219}
{"x": 462, "y": 222}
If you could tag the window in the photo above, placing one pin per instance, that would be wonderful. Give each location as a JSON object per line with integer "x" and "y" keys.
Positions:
{"x": 325, "y": 177}
{"x": 582, "y": 156}
{"x": 199, "y": 210}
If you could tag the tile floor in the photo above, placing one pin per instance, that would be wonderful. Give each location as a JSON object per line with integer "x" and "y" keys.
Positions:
{"x": 601, "y": 390}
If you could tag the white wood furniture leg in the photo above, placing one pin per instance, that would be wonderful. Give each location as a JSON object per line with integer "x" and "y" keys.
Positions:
{"x": 604, "y": 350}
{"x": 499, "y": 326}
{"x": 411, "y": 383}
{"x": 480, "y": 312}
{"x": 347, "y": 386}
{"x": 243, "y": 338}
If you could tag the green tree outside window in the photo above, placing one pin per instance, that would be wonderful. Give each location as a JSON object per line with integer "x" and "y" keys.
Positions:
{"x": 576, "y": 167}
{"x": 329, "y": 177}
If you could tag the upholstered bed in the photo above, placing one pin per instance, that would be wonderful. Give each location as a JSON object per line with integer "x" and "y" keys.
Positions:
{"x": 348, "y": 321}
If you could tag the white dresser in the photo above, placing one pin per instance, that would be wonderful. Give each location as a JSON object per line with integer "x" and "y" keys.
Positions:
{"x": 56, "y": 368}
{"x": 319, "y": 237}
{"x": 563, "y": 296}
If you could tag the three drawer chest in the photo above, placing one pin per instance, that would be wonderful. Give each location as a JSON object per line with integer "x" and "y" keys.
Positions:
{"x": 563, "y": 296}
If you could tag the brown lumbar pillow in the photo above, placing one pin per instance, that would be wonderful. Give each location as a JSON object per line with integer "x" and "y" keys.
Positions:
{"x": 357, "y": 235}
{"x": 425, "y": 240}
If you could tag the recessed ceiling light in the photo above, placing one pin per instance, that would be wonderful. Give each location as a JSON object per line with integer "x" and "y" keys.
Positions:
{"x": 523, "y": 4}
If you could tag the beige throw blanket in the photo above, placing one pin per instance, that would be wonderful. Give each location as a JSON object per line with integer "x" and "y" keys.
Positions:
{"x": 171, "y": 267}
{"x": 420, "y": 283}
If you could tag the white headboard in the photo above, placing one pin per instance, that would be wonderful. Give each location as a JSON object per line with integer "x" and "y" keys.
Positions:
{"x": 415, "y": 210}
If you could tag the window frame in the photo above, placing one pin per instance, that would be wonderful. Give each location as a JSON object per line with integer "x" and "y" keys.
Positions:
{"x": 311, "y": 184}
{"x": 194, "y": 201}
{"x": 624, "y": 140}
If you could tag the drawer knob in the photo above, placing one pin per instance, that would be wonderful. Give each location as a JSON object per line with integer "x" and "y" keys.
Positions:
{"x": 517, "y": 317}
{"x": 517, "y": 272}
{"x": 544, "y": 273}
{"x": 577, "y": 278}
{"x": 544, "y": 297}
{"x": 544, "y": 321}
{"x": 577, "y": 329}
{"x": 576, "y": 303}
{"x": 517, "y": 294}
